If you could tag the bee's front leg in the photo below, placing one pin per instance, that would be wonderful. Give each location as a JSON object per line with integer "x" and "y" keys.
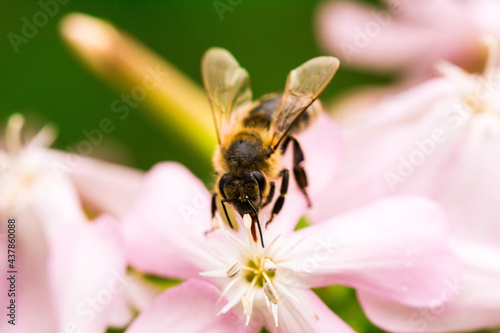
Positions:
{"x": 214, "y": 210}
{"x": 214, "y": 204}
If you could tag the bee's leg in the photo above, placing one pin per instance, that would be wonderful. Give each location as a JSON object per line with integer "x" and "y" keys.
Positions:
{"x": 214, "y": 204}
{"x": 225, "y": 212}
{"x": 270, "y": 195}
{"x": 285, "y": 176}
{"x": 214, "y": 210}
{"x": 285, "y": 143}
{"x": 298, "y": 170}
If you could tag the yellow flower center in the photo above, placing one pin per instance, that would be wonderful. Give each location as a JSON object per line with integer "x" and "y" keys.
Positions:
{"x": 256, "y": 270}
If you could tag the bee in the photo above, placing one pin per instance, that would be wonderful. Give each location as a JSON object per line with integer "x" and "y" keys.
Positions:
{"x": 252, "y": 136}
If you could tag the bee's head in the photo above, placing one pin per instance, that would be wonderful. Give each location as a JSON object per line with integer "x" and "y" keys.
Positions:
{"x": 244, "y": 191}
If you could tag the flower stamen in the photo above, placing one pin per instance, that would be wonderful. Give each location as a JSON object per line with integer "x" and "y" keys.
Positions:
{"x": 271, "y": 292}
{"x": 234, "y": 270}
{"x": 247, "y": 221}
{"x": 247, "y": 306}
{"x": 259, "y": 270}
{"x": 269, "y": 265}
{"x": 21, "y": 165}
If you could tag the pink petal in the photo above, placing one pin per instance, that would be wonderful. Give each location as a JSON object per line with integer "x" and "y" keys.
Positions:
{"x": 87, "y": 269}
{"x": 52, "y": 204}
{"x": 395, "y": 248}
{"x": 385, "y": 135}
{"x": 469, "y": 193}
{"x": 140, "y": 292}
{"x": 399, "y": 37}
{"x": 471, "y": 305}
{"x": 33, "y": 292}
{"x": 310, "y": 315}
{"x": 483, "y": 14}
{"x": 122, "y": 312}
{"x": 107, "y": 187}
{"x": 188, "y": 307}
{"x": 165, "y": 231}
{"x": 321, "y": 145}
{"x": 55, "y": 203}
{"x": 415, "y": 146}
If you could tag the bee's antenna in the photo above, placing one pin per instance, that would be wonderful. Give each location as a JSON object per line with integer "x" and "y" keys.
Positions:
{"x": 258, "y": 223}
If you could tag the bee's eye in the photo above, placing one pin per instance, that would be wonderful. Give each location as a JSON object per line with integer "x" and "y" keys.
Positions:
{"x": 261, "y": 180}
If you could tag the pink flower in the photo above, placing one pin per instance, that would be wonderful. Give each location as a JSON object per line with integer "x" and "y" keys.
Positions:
{"x": 62, "y": 280}
{"x": 440, "y": 139}
{"x": 407, "y": 36}
{"x": 394, "y": 248}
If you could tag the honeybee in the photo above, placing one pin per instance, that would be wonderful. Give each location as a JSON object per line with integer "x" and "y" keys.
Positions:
{"x": 252, "y": 136}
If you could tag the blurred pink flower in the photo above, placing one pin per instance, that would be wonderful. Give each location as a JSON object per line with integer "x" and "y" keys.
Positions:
{"x": 102, "y": 186}
{"x": 394, "y": 248}
{"x": 440, "y": 139}
{"x": 407, "y": 36}
{"x": 62, "y": 262}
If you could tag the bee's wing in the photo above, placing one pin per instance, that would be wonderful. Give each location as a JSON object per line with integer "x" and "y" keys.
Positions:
{"x": 303, "y": 85}
{"x": 227, "y": 86}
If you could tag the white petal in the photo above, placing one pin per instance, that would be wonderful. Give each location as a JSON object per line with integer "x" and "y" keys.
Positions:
{"x": 310, "y": 315}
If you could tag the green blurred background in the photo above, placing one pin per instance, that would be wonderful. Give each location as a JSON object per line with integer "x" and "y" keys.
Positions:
{"x": 48, "y": 84}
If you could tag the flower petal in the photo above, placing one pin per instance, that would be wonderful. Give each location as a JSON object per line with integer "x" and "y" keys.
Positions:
{"x": 106, "y": 187}
{"x": 468, "y": 306}
{"x": 165, "y": 231}
{"x": 421, "y": 142}
{"x": 384, "y": 135}
{"x": 87, "y": 271}
{"x": 365, "y": 36}
{"x": 310, "y": 315}
{"x": 321, "y": 145}
{"x": 175, "y": 310}
{"x": 47, "y": 206}
{"x": 33, "y": 292}
{"x": 395, "y": 248}
{"x": 469, "y": 193}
